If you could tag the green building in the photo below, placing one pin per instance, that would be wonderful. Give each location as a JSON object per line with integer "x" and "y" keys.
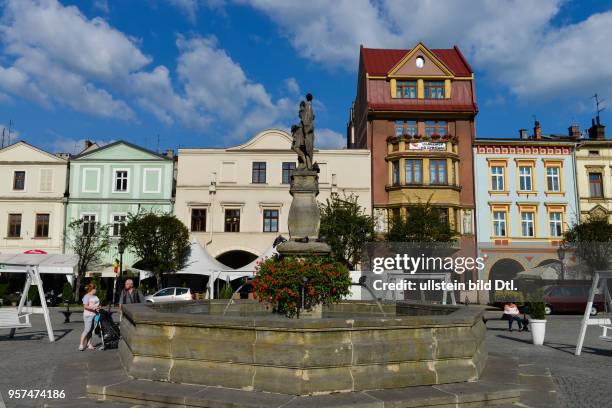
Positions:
{"x": 107, "y": 183}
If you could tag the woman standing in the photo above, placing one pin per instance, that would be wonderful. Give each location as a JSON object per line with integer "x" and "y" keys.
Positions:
{"x": 91, "y": 304}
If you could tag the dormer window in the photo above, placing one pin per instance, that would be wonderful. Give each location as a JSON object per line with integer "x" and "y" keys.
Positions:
{"x": 434, "y": 89}
{"x": 406, "y": 89}
{"x": 419, "y": 62}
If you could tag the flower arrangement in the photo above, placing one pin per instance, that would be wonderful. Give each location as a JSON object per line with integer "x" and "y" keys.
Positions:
{"x": 435, "y": 136}
{"x": 279, "y": 282}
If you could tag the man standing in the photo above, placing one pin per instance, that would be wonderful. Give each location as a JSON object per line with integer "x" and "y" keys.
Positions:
{"x": 129, "y": 295}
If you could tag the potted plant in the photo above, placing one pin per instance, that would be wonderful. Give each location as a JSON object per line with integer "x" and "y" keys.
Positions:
{"x": 67, "y": 297}
{"x": 435, "y": 136}
{"x": 537, "y": 312}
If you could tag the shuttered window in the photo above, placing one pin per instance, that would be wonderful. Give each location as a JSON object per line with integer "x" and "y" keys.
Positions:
{"x": 46, "y": 180}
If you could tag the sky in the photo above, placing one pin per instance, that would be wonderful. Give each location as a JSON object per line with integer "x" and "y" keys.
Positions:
{"x": 213, "y": 73}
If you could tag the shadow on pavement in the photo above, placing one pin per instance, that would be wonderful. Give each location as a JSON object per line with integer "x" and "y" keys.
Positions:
{"x": 38, "y": 335}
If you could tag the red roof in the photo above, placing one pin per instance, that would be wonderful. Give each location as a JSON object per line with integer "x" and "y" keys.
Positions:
{"x": 379, "y": 61}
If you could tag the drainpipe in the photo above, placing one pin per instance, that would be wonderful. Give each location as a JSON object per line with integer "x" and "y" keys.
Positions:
{"x": 212, "y": 191}
{"x": 65, "y": 202}
{"x": 575, "y": 169}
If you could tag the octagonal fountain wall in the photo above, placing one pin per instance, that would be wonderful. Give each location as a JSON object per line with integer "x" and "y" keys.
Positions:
{"x": 353, "y": 347}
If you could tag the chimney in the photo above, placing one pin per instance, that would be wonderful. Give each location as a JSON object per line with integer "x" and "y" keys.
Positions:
{"x": 597, "y": 131}
{"x": 574, "y": 131}
{"x": 537, "y": 130}
{"x": 523, "y": 134}
{"x": 88, "y": 144}
{"x": 169, "y": 153}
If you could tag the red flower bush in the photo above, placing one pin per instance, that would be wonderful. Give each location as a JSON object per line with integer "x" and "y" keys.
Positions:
{"x": 279, "y": 282}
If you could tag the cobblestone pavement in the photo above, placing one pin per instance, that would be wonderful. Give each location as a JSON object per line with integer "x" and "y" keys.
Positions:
{"x": 29, "y": 361}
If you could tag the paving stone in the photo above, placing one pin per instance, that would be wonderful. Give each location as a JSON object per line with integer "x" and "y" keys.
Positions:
{"x": 213, "y": 397}
{"x": 338, "y": 400}
{"x": 413, "y": 397}
{"x": 152, "y": 392}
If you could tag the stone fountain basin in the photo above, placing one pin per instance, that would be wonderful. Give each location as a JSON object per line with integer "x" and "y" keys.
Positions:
{"x": 352, "y": 348}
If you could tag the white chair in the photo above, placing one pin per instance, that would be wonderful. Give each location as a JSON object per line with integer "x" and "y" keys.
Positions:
{"x": 10, "y": 319}
{"x": 605, "y": 336}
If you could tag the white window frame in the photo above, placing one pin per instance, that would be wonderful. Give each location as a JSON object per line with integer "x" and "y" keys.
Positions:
{"x": 144, "y": 180}
{"x": 84, "y": 177}
{"x": 503, "y": 221}
{"x": 559, "y": 222}
{"x": 40, "y": 175}
{"x": 525, "y": 177}
{"x": 551, "y": 178}
{"x": 526, "y": 222}
{"x": 89, "y": 214}
{"x": 497, "y": 178}
{"x": 112, "y": 223}
{"x": 127, "y": 179}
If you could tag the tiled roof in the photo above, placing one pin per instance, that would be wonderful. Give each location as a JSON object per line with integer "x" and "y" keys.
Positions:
{"x": 379, "y": 61}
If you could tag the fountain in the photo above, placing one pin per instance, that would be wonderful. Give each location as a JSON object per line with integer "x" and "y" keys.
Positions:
{"x": 348, "y": 347}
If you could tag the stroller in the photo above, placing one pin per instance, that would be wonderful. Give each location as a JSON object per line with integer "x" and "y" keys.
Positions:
{"x": 107, "y": 329}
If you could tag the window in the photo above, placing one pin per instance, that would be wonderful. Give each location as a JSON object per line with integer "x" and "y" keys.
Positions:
{"x": 527, "y": 224}
{"x": 42, "y": 226}
{"x": 14, "y": 225}
{"x": 232, "y": 220}
{"x": 596, "y": 185}
{"x": 117, "y": 223}
{"x": 121, "y": 181}
{"x": 443, "y": 212}
{"x": 434, "y": 89}
{"x": 165, "y": 292}
{"x": 19, "y": 180}
{"x": 406, "y": 89}
{"x": 405, "y": 127}
{"x": 259, "y": 172}
{"x": 198, "y": 220}
{"x": 593, "y": 152}
{"x": 152, "y": 180}
{"x": 270, "y": 221}
{"x": 288, "y": 168}
{"x": 89, "y": 224}
{"x": 497, "y": 178}
{"x": 499, "y": 223}
{"x": 396, "y": 173}
{"x": 181, "y": 291}
{"x": 525, "y": 178}
{"x": 436, "y": 127}
{"x": 553, "y": 182}
{"x": 437, "y": 171}
{"x": 413, "y": 169}
{"x": 46, "y": 180}
{"x": 556, "y": 224}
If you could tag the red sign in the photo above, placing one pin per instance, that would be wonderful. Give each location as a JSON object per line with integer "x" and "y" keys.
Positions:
{"x": 35, "y": 252}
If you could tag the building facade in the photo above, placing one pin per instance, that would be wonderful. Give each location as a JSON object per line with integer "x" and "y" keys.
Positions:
{"x": 415, "y": 111}
{"x": 108, "y": 183}
{"x": 526, "y": 199}
{"x": 236, "y": 200}
{"x": 32, "y": 203}
{"x": 594, "y": 173}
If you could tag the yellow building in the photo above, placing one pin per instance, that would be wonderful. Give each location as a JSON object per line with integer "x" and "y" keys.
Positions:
{"x": 594, "y": 173}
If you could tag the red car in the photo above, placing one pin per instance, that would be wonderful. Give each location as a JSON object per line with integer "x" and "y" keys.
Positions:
{"x": 570, "y": 299}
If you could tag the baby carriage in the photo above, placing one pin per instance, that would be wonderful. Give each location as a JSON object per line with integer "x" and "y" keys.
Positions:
{"x": 107, "y": 329}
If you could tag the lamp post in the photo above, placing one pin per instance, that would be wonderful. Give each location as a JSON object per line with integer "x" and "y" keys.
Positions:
{"x": 561, "y": 255}
{"x": 121, "y": 250}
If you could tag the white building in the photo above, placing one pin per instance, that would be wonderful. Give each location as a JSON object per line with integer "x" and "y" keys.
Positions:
{"x": 236, "y": 200}
{"x": 32, "y": 204}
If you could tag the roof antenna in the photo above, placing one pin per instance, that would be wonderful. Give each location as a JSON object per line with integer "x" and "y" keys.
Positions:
{"x": 598, "y": 110}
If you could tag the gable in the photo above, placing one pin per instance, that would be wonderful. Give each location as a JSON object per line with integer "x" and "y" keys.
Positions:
{"x": 432, "y": 66}
{"x": 271, "y": 139}
{"x": 23, "y": 152}
{"x": 120, "y": 151}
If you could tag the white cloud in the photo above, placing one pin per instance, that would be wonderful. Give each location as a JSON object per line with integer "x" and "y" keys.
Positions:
{"x": 292, "y": 86}
{"x": 102, "y": 5}
{"x": 513, "y": 42}
{"x": 329, "y": 139}
{"x": 191, "y": 7}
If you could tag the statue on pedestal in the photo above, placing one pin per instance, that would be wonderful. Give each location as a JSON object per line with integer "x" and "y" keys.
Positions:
{"x": 303, "y": 135}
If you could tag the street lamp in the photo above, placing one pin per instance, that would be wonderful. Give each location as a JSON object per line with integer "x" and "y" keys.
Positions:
{"x": 561, "y": 255}
{"x": 121, "y": 250}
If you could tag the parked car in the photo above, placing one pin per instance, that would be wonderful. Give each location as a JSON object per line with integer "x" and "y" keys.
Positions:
{"x": 173, "y": 294}
{"x": 571, "y": 299}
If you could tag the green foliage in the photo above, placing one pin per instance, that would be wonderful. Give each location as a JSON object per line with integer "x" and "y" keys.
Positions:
{"x": 279, "y": 281}
{"x": 504, "y": 296}
{"x": 423, "y": 224}
{"x": 100, "y": 292}
{"x": 592, "y": 241}
{"x": 537, "y": 307}
{"x": 3, "y": 290}
{"x": 346, "y": 227}
{"x": 226, "y": 292}
{"x": 33, "y": 295}
{"x": 160, "y": 241}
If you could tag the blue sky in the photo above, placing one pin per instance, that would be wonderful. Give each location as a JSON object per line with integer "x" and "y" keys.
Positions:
{"x": 213, "y": 73}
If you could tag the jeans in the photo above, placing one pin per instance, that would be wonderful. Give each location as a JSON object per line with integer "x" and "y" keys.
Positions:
{"x": 518, "y": 319}
{"x": 88, "y": 321}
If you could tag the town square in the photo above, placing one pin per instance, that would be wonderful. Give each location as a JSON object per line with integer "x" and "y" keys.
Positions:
{"x": 305, "y": 204}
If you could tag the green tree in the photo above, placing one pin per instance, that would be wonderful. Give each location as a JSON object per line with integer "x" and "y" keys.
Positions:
{"x": 89, "y": 240}
{"x": 592, "y": 241}
{"x": 424, "y": 224}
{"x": 346, "y": 227}
{"x": 160, "y": 241}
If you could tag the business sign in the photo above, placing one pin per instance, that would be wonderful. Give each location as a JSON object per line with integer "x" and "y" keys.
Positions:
{"x": 438, "y": 146}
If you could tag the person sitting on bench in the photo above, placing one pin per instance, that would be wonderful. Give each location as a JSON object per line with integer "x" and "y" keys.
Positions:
{"x": 511, "y": 313}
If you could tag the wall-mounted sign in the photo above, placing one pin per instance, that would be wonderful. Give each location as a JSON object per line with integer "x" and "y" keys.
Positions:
{"x": 438, "y": 146}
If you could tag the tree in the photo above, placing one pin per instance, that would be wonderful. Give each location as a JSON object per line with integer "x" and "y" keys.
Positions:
{"x": 592, "y": 241}
{"x": 346, "y": 227}
{"x": 161, "y": 242}
{"x": 424, "y": 224}
{"x": 89, "y": 240}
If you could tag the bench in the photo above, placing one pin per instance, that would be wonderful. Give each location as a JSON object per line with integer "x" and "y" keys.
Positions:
{"x": 10, "y": 319}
